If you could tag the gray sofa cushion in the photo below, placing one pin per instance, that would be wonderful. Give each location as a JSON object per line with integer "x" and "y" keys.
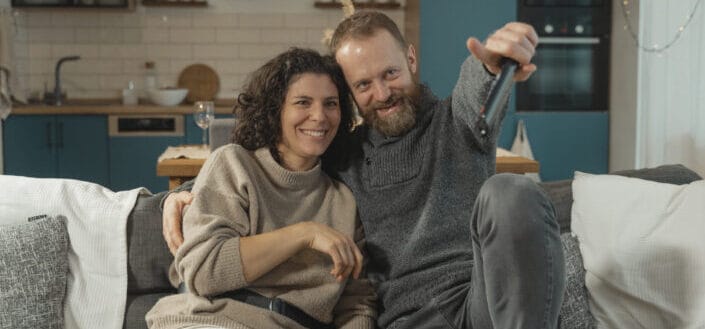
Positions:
{"x": 137, "y": 307}
{"x": 33, "y": 272}
{"x": 148, "y": 255}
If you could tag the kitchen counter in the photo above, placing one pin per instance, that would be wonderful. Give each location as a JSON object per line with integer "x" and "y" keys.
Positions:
{"x": 89, "y": 107}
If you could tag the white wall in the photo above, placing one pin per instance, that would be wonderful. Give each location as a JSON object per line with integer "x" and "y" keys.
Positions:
{"x": 232, "y": 36}
{"x": 623, "y": 91}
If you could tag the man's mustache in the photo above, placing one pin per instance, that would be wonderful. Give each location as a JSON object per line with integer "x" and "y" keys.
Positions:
{"x": 389, "y": 102}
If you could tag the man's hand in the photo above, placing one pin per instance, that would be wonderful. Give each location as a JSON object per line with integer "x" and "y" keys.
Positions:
{"x": 347, "y": 258}
{"x": 514, "y": 40}
{"x": 172, "y": 217}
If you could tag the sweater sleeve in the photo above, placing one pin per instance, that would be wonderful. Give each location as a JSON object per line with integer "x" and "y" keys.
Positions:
{"x": 469, "y": 95}
{"x": 357, "y": 305}
{"x": 209, "y": 261}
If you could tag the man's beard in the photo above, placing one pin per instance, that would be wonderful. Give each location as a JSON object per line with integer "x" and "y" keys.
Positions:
{"x": 398, "y": 123}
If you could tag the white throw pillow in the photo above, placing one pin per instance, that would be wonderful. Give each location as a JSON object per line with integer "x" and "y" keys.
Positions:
{"x": 643, "y": 248}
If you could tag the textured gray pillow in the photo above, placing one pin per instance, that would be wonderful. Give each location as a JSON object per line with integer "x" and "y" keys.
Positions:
{"x": 33, "y": 270}
{"x": 575, "y": 311}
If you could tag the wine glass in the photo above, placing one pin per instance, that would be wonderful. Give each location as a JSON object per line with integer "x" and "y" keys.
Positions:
{"x": 204, "y": 112}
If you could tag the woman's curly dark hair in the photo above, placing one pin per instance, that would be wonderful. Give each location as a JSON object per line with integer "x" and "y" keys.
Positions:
{"x": 258, "y": 107}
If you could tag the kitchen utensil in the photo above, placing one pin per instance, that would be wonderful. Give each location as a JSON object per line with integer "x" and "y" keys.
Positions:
{"x": 201, "y": 81}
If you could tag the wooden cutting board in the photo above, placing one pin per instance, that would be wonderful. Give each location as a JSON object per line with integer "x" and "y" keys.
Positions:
{"x": 201, "y": 81}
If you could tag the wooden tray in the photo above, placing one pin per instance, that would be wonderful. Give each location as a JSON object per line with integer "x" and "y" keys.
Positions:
{"x": 201, "y": 81}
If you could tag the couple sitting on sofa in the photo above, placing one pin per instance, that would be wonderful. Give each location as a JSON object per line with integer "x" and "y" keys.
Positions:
{"x": 447, "y": 245}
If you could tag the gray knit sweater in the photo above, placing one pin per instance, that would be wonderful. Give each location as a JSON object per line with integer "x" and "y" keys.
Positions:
{"x": 415, "y": 194}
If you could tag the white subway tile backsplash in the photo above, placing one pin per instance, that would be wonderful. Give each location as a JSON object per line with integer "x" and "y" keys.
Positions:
{"x": 39, "y": 51}
{"x": 201, "y": 52}
{"x": 41, "y": 67}
{"x": 237, "y": 66}
{"x": 85, "y": 51}
{"x": 110, "y": 35}
{"x": 63, "y": 19}
{"x": 305, "y": 20}
{"x": 50, "y": 35}
{"x": 84, "y": 66}
{"x": 215, "y": 20}
{"x": 255, "y": 51}
{"x": 155, "y": 35}
{"x": 315, "y": 35}
{"x": 132, "y": 35}
{"x": 39, "y": 19}
{"x": 113, "y": 20}
{"x": 262, "y": 20}
{"x": 133, "y": 66}
{"x": 169, "y": 51}
{"x": 285, "y": 36}
{"x": 88, "y": 36}
{"x": 77, "y": 83}
{"x": 237, "y": 35}
{"x": 115, "y": 45}
{"x": 155, "y": 21}
{"x": 117, "y": 82}
{"x": 191, "y": 35}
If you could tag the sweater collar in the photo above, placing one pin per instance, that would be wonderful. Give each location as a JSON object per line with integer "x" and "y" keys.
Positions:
{"x": 287, "y": 178}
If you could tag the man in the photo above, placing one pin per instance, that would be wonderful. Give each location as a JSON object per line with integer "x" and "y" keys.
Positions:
{"x": 449, "y": 246}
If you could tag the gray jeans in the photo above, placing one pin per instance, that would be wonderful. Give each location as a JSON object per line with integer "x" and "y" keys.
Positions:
{"x": 518, "y": 279}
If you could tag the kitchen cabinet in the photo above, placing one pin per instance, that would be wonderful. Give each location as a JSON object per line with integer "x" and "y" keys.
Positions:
{"x": 133, "y": 161}
{"x": 61, "y": 146}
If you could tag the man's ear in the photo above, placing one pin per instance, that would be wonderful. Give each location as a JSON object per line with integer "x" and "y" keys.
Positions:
{"x": 411, "y": 58}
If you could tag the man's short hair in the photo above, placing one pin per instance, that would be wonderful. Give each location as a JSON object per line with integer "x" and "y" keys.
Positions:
{"x": 364, "y": 24}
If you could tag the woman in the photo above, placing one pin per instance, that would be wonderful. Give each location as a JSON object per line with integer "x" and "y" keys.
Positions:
{"x": 270, "y": 239}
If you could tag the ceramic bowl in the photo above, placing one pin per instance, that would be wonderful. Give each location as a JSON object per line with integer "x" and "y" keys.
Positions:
{"x": 167, "y": 97}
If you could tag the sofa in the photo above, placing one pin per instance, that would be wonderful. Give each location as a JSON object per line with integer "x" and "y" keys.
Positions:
{"x": 149, "y": 257}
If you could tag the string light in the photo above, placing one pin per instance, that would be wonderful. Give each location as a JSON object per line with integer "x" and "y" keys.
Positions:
{"x": 656, "y": 48}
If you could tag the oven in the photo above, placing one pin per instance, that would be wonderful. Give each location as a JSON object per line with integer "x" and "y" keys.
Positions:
{"x": 572, "y": 56}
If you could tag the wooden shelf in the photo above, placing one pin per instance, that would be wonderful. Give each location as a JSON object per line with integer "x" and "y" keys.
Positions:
{"x": 359, "y": 5}
{"x": 179, "y": 3}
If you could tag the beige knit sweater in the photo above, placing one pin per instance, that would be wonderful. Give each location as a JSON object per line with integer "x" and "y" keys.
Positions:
{"x": 242, "y": 193}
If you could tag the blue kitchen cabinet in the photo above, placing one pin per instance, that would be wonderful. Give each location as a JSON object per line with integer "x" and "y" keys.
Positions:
{"x": 58, "y": 146}
{"x": 29, "y": 145}
{"x": 133, "y": 161}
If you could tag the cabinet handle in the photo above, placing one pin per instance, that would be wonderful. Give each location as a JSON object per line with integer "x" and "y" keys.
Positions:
{"x": 50, "y": 140}
{"x": 60, "y": 135}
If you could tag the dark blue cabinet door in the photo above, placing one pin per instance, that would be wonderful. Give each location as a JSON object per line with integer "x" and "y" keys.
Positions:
{"x": 133, "y": 162}
{"x": 83, "y": 148}
{"x": 28, "y": 143}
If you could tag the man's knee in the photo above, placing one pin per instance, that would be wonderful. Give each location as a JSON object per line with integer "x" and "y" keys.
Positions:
{"x": 514, "y": 202}
{"x": 511, "y": 190}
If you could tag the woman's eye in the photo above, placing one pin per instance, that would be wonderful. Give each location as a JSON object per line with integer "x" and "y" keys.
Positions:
{"x": 331, "y": 104}
{"x": 301, "y": 102}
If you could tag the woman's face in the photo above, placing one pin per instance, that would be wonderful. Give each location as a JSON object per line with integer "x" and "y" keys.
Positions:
{"x": 309, "y": 120}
